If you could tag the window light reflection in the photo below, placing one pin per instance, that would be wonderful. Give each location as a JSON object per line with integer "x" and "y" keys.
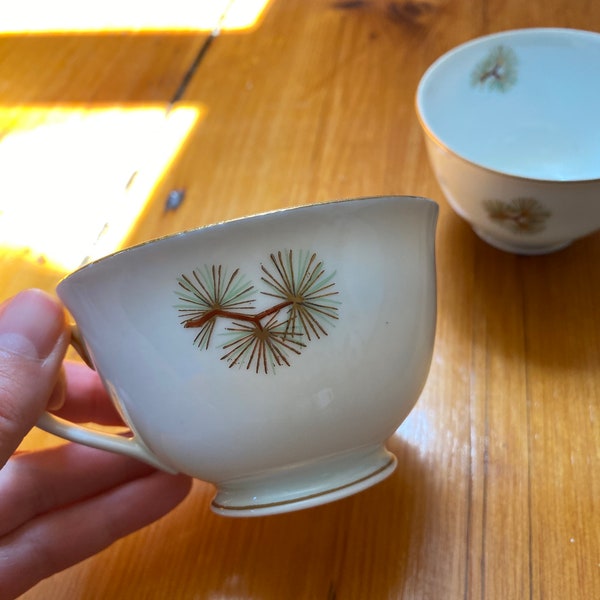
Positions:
{"x": 69, "y": 16}
{"x": 74, "y": 180}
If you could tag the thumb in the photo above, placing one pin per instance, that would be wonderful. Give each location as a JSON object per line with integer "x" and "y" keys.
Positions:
{"x": 33, "y": 341}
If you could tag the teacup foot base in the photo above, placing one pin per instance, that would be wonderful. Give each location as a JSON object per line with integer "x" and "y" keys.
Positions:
{"x": 305, "y": 485}
{"x": 517, "y": 249}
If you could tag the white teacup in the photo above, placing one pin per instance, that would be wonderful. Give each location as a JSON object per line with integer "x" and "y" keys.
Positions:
{"x": 513, "y": 134}
{"x": 272, "y": 355}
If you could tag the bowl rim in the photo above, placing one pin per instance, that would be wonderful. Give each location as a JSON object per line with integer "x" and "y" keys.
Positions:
{"x": 315, "y": 206}
{"x": 419, "y": 103}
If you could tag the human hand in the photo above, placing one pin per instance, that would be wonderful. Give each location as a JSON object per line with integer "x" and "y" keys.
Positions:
{"x": 61, "y": 505}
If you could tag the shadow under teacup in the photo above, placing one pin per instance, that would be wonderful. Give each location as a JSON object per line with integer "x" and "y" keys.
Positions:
{"x": 272, "y": 356}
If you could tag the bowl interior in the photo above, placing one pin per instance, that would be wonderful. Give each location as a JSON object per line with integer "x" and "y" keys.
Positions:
{"x": 521, "y": 102}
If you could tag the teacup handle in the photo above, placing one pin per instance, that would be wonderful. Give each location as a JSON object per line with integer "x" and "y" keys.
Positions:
{"x": 128, "y": 445}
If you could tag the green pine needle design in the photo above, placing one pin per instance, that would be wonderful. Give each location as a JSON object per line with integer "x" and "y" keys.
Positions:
{"x": 305, "y": 307}
{"x": 308, "y": 289}
{"x": 208, "y": 291}
{"x": 498, "y": 71}
{"x": 521, "y": 215}
{"x": 262, "y": 347}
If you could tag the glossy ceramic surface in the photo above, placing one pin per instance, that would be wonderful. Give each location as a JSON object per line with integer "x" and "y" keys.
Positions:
{"x": 512, "y": 130}
{"x": 271, "y": 356}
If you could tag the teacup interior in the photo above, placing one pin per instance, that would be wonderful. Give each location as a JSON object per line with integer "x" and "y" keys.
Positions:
{"x": 522, "y": 102}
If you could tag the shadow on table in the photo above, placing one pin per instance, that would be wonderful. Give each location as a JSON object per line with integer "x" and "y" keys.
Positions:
{"x": 364, "y": 542}
{"x": 361, "y": 546}
{"x": 539, "y": 309}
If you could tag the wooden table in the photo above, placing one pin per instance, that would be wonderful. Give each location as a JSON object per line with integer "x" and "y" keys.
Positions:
{"x": 497, "y": 490}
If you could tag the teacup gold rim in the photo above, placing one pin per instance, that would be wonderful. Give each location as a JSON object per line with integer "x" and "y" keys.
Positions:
{"x": 307, "y": 497}
{"x": 287, "y": 209}
{"x": 473, "y": 42}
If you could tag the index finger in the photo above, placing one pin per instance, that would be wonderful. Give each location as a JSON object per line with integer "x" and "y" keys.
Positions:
{"x": 86, "y": 399}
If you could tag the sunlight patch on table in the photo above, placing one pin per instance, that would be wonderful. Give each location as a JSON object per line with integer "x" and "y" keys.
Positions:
{"x": 70, "y": 16}
{"x": 74, "y": 180}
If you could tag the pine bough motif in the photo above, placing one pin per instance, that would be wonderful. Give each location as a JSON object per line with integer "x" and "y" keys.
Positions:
{"x": 498, "y": 71}
{"x": 304, "y": 306}
{"x": 521, "y": 215}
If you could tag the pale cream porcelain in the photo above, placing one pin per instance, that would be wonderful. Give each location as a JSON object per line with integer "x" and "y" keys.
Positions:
{"x": 513, "y": 134}
{"x": 272, "y": 355}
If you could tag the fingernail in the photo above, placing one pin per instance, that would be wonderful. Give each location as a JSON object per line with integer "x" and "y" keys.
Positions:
{"x": 30, "y": 324}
